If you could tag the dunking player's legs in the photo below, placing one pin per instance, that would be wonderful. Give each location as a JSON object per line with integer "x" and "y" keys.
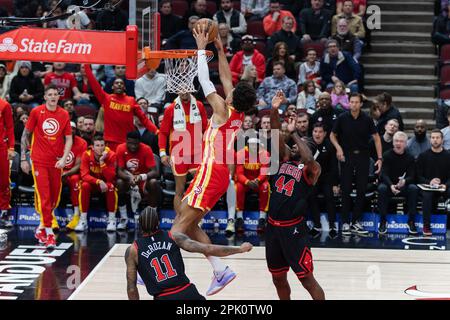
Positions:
{"x": 282, "y": 286}
{"x": 180, "y": 184}
{"x": 313, "y": 287}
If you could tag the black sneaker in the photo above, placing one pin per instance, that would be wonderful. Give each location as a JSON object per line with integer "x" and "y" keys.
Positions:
{"x": 412, "y": 228}
{"x": 261, "y": 225}
{"x": 382, "y": 229}
{"x": 239, "y": 225}
{"x": 314, "y": 232}
{"x": 358, "y": 228}
{"x": 333, "y": 233}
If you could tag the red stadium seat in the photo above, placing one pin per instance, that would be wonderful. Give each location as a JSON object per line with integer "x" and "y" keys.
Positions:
{"x": 8, "y": 5}
{"x": 211, "y": 7}
{"x": 179, "y": 7}
{"x": 256, "y": 29}
{"x": 445, "y": 76}
{"x": 237, "y": 5}
{"x": 445, "y": 53}
{"x": 316, "y": 46}
{"x": 261, "y": 47}
{"x": 83, "y": 110}
{"x": 444, "y": 94}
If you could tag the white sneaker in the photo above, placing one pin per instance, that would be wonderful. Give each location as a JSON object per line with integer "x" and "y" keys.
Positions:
{"x": 122, "y": 225}
{"x": 346, "y": 229}
{"x": 111, "y": 225}
{"x": 81, "y": 226}
{"x": 230, "y": 227}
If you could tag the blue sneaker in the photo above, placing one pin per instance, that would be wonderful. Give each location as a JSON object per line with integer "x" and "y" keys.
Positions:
{"x": 220, "y": 280}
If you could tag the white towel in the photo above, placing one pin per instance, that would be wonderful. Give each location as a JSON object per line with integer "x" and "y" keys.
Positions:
{"x": 179, "y": 118}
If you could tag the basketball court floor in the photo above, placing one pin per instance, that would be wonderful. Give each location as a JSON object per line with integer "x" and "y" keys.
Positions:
{"x": 91, "y": 266}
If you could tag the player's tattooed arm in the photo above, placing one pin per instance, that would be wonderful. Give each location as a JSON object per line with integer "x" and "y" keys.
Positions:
{"x": 131, "y": 261}
{"x": 25, "y": 143}
{"x": 186, "y": 243}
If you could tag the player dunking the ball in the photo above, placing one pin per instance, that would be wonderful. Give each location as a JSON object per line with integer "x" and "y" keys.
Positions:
{"x": 212, "y": 177}
{"x": 286, "y": 235}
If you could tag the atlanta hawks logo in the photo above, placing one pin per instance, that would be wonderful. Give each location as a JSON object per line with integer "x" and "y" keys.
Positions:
{"x": 50, "y": 126}
{"x": 132, "y": 165}
{"x": 70, "y": 158}
{"x": 198, "y": 190}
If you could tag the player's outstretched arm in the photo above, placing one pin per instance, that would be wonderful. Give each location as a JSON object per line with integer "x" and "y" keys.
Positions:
{"x": 186, "y": 243}
{"x": 217, "y": 102}
{"x": 224, "y": 68}
{"x": 275, "y": 123}
{"x": 131, "y": 261}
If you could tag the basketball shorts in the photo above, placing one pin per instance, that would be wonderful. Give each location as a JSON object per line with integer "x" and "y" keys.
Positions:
{"x": 287, "y": 247}
{"x": 188, "y": 292}
{"x": 180, "y": 168}
{"x": 209, "y": 184}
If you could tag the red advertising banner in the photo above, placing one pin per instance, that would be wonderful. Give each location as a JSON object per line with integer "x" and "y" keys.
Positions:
{"x": 72, "y": 46}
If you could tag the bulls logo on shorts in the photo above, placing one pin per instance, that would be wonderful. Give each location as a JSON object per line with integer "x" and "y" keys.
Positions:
{"x": 50, "y": 126}
{"x": 70, "y": 158}
{"x": 198, "y": 190}
{"x": 132, "y": 165}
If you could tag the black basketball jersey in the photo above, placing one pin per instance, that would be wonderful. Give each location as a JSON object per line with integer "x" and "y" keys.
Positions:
{"x": 290, "y": 189}
{"x": 160, "y": 263}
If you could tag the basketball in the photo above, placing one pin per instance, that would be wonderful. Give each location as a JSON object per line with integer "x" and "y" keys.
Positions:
{"x": 211, "y": 27}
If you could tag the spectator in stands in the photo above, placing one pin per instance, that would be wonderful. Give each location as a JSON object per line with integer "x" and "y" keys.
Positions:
{"x": 251, "y": 75}
{"x": 199, "y": 9}
{"x": 339, "y": 97}
{"x": 310, "y": 69}
{"x": 252, "y": 174}
{"x": 339, "y": 66}
{"x": 232, "y": 17}
{"x": 286, "y": 36}
{"x": 183, "y": 39}
{"x": 264, "y": 134}
{"x": 446, "y": 133}
{"x": 308, "y": 98}
{"x": 302, "y": 125}
{"x": 441, "y": 32}
{"x": 85, "y": 88}
{"x": 254, "y": 9}
{"x": 278, "y": 81}
{"x": 387, "y": 112}
{"x": 119, "y": 73}
{"x": 358, "y": 6}
{"x": 387, "y": 138}
{"x": 355, "y": 22}
{"x": 80, "y": 124}
{"x": 88, "y": 131}
{"x": 113, "y": 18}
{"x": 280, "y": 53}
{"x": 375, "y": 114}
{"x": 347, "y": 40}
{"x": 170, "y": 23}
{"x": 354, "y": 130}
{"x": 397, "y": 179}
{"x": 433, "y": 168}
{"x": 326, "y": 114}
{"x": 273, "y": 20}
{"x": 147, "y": 137}
{"x": 152, "y": 86}
{"x": 65, "y": 82}
{"x": 248, "y": 55}
{"x": 230, "y": 43}
{"x": 68, "y": 105}
{"x": 420, "y": 142}
{"x": 5, "y": 82}
{"x": 20, "y": 120}
{"x": 25, "y": 87}
{"x": 315, "y": 23}
{"x": 328, "y": 183}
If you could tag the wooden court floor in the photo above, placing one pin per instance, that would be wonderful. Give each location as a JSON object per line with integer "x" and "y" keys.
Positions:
{"x": 342, "y": 273}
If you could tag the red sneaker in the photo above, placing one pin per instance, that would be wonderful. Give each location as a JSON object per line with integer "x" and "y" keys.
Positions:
{"x": 427, "y": 231}
{"x": 41, "y": 235}
{"x": 51, "y": 241}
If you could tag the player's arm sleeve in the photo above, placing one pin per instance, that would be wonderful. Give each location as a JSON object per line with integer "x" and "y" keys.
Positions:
{"x": 31, "y": 123}
{"x": 9, "y": 126}
{"x": 120, "y": 158}
{"x": 109, "y": 172}
{"x": 240, "y": 176}
{"x": 85, "y": 172}
{"x": 203, "y": 74}
{"x": 99, "y": 93}
{"x": 144, "y": 120}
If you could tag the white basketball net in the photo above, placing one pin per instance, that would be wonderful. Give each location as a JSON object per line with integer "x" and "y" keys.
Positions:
{"x": 180, "y": 74}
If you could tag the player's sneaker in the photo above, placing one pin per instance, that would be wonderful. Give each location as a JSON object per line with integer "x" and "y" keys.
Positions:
{"x": 230, "y": 227}
{"x": 382, "y": 229}
{"x": 333, "y": 232}
{"x": 427, "y": 231}
{"x": 111, "y": 227}
{"x": 239, "y": 225}
{"x": 41, "y": 235}
{"x": 261, "y": 225}
{"x": 82, "y": 225}
{"x": 346, "y": 229}
{"x": 51, "y": 241}
{"x": 122, "y": 225}
{"x": 73, "y": 223}
{"x": 315, "y": 231}
{"x": 412, "y": 227}
{"x": 358, "y": 228}
{"x": 220, "y": 280}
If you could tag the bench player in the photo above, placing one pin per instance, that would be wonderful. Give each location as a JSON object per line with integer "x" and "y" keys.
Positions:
{"x": 212, "y": 178}
{"x": 162, "y": 267}
{"x": 286, "y": 234}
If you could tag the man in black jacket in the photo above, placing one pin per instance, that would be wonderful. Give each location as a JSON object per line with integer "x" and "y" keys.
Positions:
{"x": 388, "y": 112}
{"x": 433, "y": 168}
{"x": 315, "y": 22}
{"x": 287, "y": 36}
{"x": 441, "y": 30}
{"x": 170, "y": 23}
{"x": 397, "y": 179}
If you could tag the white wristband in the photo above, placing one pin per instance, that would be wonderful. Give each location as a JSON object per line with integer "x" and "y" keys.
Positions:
{"x": 143, "y": 176}
{"x": 162, "y": 154}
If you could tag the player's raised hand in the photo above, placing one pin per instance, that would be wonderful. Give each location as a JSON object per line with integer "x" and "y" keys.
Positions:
{"x": 291, "y": 125}
{"x": 246, "y": 247}
{"x": 277, "y": 100}
{"x": 218, "y": 43}
{"x": 200, "y": 36}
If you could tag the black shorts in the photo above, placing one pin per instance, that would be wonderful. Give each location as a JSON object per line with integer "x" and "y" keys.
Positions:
{"x": 190, "y": 292}
{"x": 287, "y": 247}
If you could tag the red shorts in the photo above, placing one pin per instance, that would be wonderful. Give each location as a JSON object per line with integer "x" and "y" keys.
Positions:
{"x": 209, "y": 184}
{"x": 182, "y": 169}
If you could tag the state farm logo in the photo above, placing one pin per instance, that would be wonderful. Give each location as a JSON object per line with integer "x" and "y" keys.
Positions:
{"x": 132, "y": 164}
{"x": 198, "y": 190}
{"x": 70, "y": 158}
{"x": 50, "y": 126}
{"x": 8, "y": 45}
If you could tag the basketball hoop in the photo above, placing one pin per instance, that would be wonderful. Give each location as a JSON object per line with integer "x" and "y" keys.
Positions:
{"x": 180, "y": 67}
